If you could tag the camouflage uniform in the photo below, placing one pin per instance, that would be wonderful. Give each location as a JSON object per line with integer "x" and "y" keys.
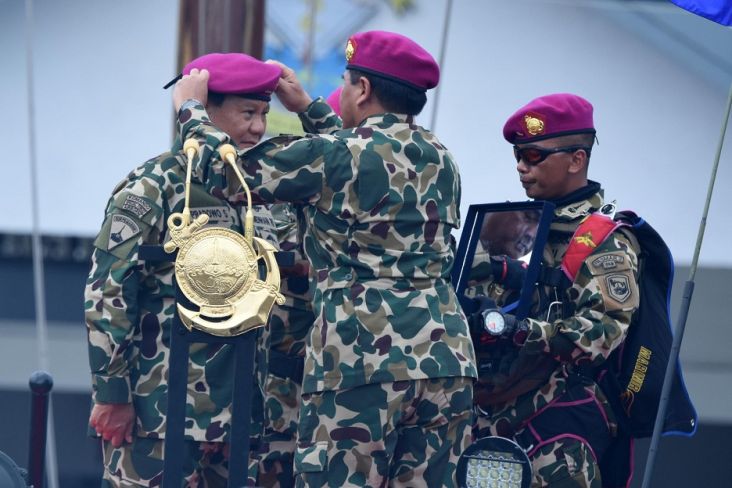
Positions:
{"x": 129, "y": 309}
{"x": 381, "y": 200}
{"x": 549, "y": 371}
{"x": 288, "y": 327}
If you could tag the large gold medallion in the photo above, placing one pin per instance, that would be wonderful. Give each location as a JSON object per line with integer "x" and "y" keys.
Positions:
{"x": 218, "y": 270}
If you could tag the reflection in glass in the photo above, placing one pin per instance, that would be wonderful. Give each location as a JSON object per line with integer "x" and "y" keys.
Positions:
{"x": 505, "y": 235}
{"x": 509, "y": 233}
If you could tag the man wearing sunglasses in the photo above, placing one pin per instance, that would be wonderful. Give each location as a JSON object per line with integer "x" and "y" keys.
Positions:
{"x": 556, "y": 411}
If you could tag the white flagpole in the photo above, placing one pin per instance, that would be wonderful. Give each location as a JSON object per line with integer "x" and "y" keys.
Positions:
{"x": 38, "y": 282}
{"x": 441, "y": 62}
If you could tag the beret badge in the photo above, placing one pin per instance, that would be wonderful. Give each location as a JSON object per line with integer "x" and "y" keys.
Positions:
{"x": 534, "y": 125}
{"x": 350, "y": 50}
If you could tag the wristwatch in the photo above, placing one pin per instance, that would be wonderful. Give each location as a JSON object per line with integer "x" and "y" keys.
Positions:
{"x": 494, "y": 322}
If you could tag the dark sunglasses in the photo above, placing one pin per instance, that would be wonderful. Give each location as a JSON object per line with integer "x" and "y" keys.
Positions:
{"x": 533, "y": 155}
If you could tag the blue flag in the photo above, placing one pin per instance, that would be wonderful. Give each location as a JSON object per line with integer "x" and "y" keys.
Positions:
{"x": 719, "y": 11}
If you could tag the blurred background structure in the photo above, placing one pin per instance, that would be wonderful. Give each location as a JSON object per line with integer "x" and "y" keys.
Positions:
{"x": 657, "y": 75}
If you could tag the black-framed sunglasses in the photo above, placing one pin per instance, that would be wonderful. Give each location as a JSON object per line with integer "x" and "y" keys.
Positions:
{"x": 533, "y": 155}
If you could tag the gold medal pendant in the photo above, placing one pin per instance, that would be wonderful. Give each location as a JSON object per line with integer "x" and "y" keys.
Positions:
{"x": 217, "y": 269}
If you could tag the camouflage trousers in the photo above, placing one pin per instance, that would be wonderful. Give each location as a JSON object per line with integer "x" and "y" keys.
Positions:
{"x": 282, "y": 406}
{"x": 140, "y": 464}
{"x": 405, "y": 433}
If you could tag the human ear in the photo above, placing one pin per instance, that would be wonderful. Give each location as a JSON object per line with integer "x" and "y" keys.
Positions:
{"x": 578, "y": 162}
{"x": 364, "y": 87}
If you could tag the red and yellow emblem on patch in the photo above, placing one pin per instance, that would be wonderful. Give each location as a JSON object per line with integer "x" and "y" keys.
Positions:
{"x": 350, "y": 50}
{"x": 534, "y": 124}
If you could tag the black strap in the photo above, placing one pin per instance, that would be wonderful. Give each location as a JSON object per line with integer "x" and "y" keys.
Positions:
{"x": 554, "y": 277}
{"x": 157, "y": 253}
{"x": 286, "y": 366}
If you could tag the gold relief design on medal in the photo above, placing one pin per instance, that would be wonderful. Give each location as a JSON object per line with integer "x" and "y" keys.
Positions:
{"x": 215, "y": 269}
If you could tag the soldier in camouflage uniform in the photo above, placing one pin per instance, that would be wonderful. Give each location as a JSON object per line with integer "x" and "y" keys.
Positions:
{"x": 289, "y": 325}
{"x": 130, "y": 303}
{"x": 389, "y": 365}
{"x": 544, "y": 394}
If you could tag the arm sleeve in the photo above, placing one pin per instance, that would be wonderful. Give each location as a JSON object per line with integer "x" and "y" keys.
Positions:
{"x": 319, "y": 118}
{"x": 110, "y": 299}
{"x": 605, "y": 298}
{"x": 281, "y": 169}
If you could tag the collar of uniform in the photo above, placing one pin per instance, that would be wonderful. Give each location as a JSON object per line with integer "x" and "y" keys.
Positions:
{"x": 387, "y": 120}
{"x": 580, "y": 203}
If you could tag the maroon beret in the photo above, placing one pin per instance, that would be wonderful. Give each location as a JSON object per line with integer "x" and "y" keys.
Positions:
{"x": 555, "y": 115}
{"x": 237, "y": 74}
{"x": 394, "y": 57}
{"x": 334, "y": 100}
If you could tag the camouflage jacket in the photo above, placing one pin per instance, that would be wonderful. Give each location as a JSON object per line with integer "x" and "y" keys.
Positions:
{"x": 129, "y": 303}
{"x": 380, "y": 201}
{"x": 290, "y": 323}
{"x": 559, "y": 344}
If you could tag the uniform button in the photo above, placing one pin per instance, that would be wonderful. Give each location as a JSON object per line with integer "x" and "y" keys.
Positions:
{"x": 348, "y": 276}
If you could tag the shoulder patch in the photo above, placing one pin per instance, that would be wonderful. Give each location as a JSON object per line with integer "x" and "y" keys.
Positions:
{"x": 121, "y": 230}
{"x": 136, "y": 205}
{"x": 618, "y": 287}
{"x": 607, "y": 262}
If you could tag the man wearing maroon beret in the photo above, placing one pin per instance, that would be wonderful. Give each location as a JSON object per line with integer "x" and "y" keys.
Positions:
{"x": 387, "y": 390}
{"x": 555, "y": 409}
{"x": 130, "y": 303}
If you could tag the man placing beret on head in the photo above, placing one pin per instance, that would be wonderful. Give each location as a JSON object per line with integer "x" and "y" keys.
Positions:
{"x": 389, "y": 366}
{"x": 555, "y": 409}
{"x": 130, "y": 303}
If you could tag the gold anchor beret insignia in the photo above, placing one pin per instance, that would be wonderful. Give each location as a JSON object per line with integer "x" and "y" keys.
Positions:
{"x": 534, "y": 125}
{"x": 350, "y": 50}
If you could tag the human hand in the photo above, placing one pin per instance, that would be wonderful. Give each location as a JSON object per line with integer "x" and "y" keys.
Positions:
{"x": 113, "y": 421}
{"x": 498, "y": 325}
{"x": 193, "y": 85}
{"x": 289, "y": 90}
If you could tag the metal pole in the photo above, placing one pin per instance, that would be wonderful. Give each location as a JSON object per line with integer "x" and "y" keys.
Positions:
{"x": 40, "y": 384}
{"x": 684, "y": 312}
{"x": 443, "y": 50}
{"x": 38, "y": 281}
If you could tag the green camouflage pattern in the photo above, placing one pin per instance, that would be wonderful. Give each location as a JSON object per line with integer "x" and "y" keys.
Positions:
{"x": 288, "y": 328}
{"x": 568, "y": 463}
{"x": 379, "y": 202}
{"x": 531, "y": 377}
{"x": 130, "y": 305}
{"x": 406, "y": 433}
{"x": 140, "y": 464}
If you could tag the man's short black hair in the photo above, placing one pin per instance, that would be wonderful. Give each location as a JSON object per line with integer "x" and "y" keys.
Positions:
{"x": 394, "y": 96}
{"x": 587, "y": 140}
{"x": 216, "y": 99}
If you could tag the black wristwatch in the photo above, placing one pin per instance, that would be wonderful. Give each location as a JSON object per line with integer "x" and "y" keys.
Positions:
{"x": 494, "y": 322}
{"x": 499, "y": 324}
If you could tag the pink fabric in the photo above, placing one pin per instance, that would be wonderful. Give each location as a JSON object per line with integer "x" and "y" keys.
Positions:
{"x": 549, "y": 116}
{"x": 334, "y": 100}
{"x": 237, "y": 74}
{"x": 394, "y": 56}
